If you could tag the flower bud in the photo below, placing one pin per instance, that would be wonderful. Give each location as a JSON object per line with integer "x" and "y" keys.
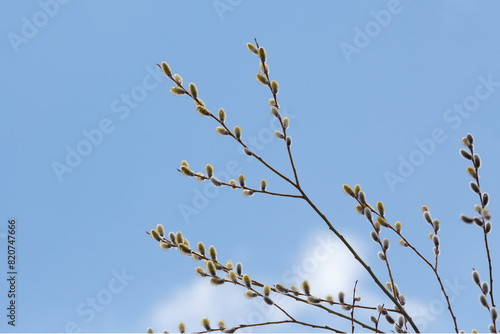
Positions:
{"x": 279, "y": 135}
{"x": 247, "y": 151}
{"x": 274, "y": 87}
{"x": 211, "y": 268}
{"x": 165, "y": 245}
{"x": 160, "y": 230}
{"x": 215, "y": 181}
{"x": 181, "y": 327}
{"x": 385, "y": 244}
{"x": 232, "y": 276}
{"x": 436, "y": 224}
{"x": 380, "y": 208}
{"x": 252, "y": 48}
{"x": 172, "y": 237}
{"x": 261, "y": 79}
{"x": 264, "y": 68}
{"x": 486, "y": 199}
{"x": 470, "y": 139}
{"x": 348, "y": 190}
{"x": 221, "y": 131}
{"x": 237, "y": 132}
{"x": 247, "y": 281}
{"x": 268, "y": 300}
{"x": 250, "y": 294}
{"x": 177, "y": 91}
{"x": 383, "y": 222}
{"x": 213, "y": 253}
{"x": 487, "y": 227}
{"x": 155, "y": 235}
{"x": 178, "y": 79}
{"x": 286, "y": 122}
{"x": 494, "y": 314}
{"x": 166, "y": 69}
{"x": 466, "y": 219}
{"x": 475, "y": 277}
{"x": 485, "y": 287}
{"x": 362, "y": 197}
{"x": 239, "y": 268}
{"x": 341, "y": 297}
{"x": 216, "y": 281}
{"x": 476, "y": 160}
{"x": 483, "y": 301}
{"x": 475, "y": 188}
{"x": 368, "y": 213}
{"x": 427, "y": 217}
{"x": 472, "y": 172}
{"x": 465, "y": 154}
{"x": 222, "y": 115}
{"x": 262, "y": 54}
{"x": 313, "y": 300}
{"x": 306, "y": 287}
{"x": 206, "y": 324}
{"x": 275, "y": 112}
{"x": 210, "y": 170}
{"x": 241, "y": 180}
{"x": 193, "y": 90}
{"x": 280, "y": 288}
{"x": 357, "y": 189}
{"x": 263, "y": 184}
{"x": 266, "y": 290}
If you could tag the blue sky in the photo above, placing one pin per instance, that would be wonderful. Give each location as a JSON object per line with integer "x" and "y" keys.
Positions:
{"x": 373, "y": 91}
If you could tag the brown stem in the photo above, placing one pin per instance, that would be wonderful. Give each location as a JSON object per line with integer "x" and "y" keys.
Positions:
{"x": 353, "y": 302}
{"x": 273, "y": 323}
{"x": 434, "y": 269}
{"x": 360, "y": 260}
{"x": 256, "y": 283}
{"x": 246, "y": 188}
{"x": 484, "y": 227}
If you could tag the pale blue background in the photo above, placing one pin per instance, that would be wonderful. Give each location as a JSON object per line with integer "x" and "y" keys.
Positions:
{"x": 352, "y": 121}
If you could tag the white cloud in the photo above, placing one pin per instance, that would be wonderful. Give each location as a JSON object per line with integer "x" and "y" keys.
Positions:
{"x": 198, "y": 300}
{"x": 325, "y": 262}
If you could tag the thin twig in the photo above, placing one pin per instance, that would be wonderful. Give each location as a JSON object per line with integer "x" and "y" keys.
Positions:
{"x": 271, "y": 323}
{"x": 246, "y": 188}
{"x": 360, "y": 260}
{"x": 353, "y": 302}
{"x": 425, "y": 260}
{"x": 480, "y": 194}
{"x": 313, "y": 206}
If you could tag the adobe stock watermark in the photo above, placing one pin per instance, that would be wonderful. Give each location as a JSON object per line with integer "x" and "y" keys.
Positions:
{"x": 325, "y": 248}
{"x": 31, "y": 26}
{"x": 257, "y": 143}
{"x": 431, "y": 312}
{"x": 121, "y": 109}
{"x": 223, "y": 6}
{"x": 453, "y": 117}
{"x": 371, "y": 29}
{"x": 88, "y": 310}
